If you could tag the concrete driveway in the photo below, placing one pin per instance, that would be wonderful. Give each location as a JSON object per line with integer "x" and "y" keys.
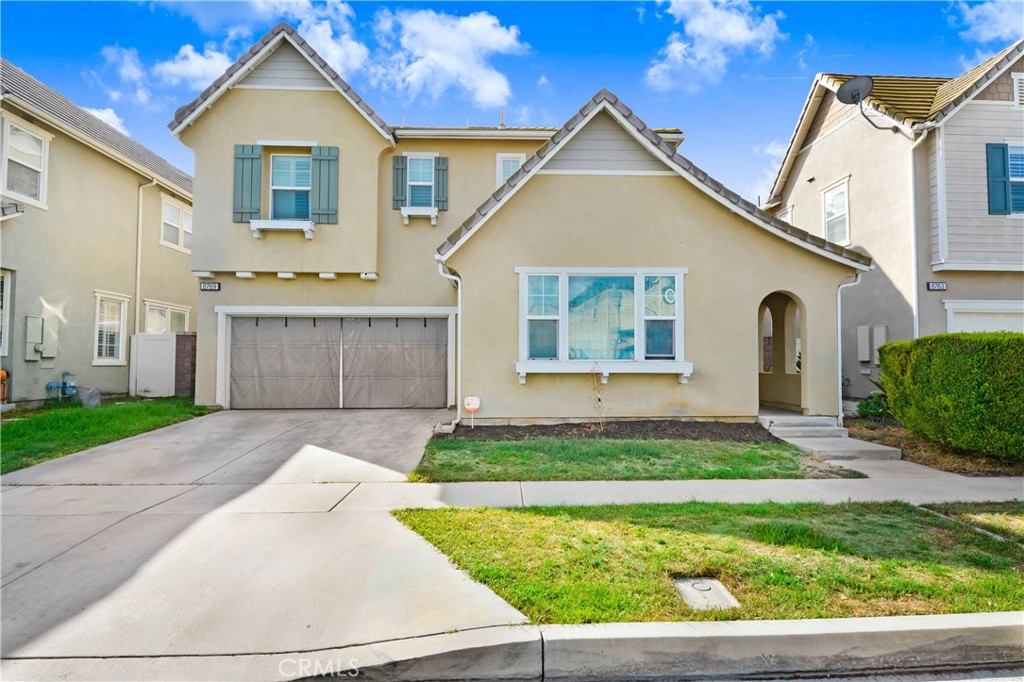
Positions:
{"x": 223, "y": 536}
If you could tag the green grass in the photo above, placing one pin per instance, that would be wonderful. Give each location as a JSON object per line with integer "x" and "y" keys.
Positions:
{"x": 616, "y": 563}
{"x": 1002, "y": 518}
{"x": 39, "y": 435}
{"x": 450, "y": 459}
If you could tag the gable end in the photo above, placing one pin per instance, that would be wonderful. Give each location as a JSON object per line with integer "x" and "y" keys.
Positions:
{"x": 603, "y": 146}
{"x": 285, "y": 69}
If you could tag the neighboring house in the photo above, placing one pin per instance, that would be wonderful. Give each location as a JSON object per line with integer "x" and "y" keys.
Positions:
{"x": 936, "y": 198}
{"x": 99, "y": 249}
{"x": 591, "y": 260}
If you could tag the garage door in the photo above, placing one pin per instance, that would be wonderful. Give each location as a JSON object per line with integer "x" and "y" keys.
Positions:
{"x": 986, "y": 321}
{"x": 279, "y": 362}
{"x": 395, "y": 362}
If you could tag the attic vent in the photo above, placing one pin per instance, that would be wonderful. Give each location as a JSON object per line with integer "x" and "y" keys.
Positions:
{"x": 1018, "y": 89}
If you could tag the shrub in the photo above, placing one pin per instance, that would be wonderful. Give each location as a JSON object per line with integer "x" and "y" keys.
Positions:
{"x": 874, "y": 407}
{"x": 965, "y": 390}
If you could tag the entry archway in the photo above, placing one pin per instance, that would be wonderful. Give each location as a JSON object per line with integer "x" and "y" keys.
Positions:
{"x": 781, "y": 326}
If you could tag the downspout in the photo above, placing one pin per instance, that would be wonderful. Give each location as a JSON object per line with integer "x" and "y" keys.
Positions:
{"x": 443, "y": 270}
{"x": 138, "y": 259}
{"x": 839, "y": 336}
{"x": 916, "y": 302}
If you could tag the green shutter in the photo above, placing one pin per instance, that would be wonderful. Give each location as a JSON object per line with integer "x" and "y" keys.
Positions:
{"x": 441, "y": 183}
{"x": 323, "y": 197}
{"x": 248, "y": 173}
{"x": 399, "y": 184}
{"x": 998, "y": 165}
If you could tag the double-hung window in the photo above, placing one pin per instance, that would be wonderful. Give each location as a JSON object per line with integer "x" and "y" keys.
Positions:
{"x": 836, "y": 212}
{"x": 421, "y": 181}
{"x": 111, "y": 320}
{"x": 1016, "y": 179}
{"x": 5, "y": 310}
{"x": 290, "y": 186}
{"x": 25, "y": 151}
{"x": 508, "y": 164}
{"x": 574, "y": 320}
{"x": 176, "y": 230}
{"x": 164, "y": 318}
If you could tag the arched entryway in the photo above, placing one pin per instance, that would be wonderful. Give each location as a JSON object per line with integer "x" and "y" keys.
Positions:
{"x": 781, "y": 329}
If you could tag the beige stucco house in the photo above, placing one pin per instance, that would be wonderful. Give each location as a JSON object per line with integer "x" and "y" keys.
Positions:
{"x": 935, "y": 197}
{"x": 94, "y": 243}
{"x": 590, "y": 261}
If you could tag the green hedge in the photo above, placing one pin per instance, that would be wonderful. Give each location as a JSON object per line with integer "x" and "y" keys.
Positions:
{"x": 961, "y": 390}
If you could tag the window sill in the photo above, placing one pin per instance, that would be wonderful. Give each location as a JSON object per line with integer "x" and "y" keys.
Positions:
{"x": 605, "y": 368}
{"x": 419, "y": 212}
{"x": 175, "y": 247}
{"x": 28, "y": 201}
{"x": 258, "y": 227}
{"x": 109, "y": 363}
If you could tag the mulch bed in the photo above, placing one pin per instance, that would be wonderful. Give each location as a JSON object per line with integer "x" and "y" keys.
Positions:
{"x": 651, "y": 429}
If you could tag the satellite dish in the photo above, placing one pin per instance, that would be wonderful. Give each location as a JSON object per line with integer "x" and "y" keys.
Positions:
{"x": 855, "y": 90}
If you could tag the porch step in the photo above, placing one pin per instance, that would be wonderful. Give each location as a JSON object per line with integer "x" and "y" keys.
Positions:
{"x": 844, "y": 448}
{"x": 770, "y": 421}
{"x": 787, "y": 431}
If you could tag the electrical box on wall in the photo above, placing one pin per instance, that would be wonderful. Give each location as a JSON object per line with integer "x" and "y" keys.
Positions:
{"x": 33, "y": 338}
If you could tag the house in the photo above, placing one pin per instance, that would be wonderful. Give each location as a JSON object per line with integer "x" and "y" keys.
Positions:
{"x": 95, "y": 249}
{"x": 935, "y": 197}
{"x": 586, "y": 261}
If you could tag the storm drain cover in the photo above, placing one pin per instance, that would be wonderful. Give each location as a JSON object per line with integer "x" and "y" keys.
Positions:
{"x": 705, "y": 594}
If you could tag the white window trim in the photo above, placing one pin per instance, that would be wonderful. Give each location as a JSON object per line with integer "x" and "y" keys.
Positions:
{"x": 954, "y": 306}
{"x": 638, "y": 365}
{"x": 1017, "y": 79}
{"x": 184, "y": 208}
{"x": 420, "y": 211}
{"x": 288, "y": 187}
{"x": 1010, "y": 144}
{"x": 786, "y": 214}
{"x": 5, "y": 341}
{"x": 121, "y": 358}
{"x": 500, "y": 157}
{"x": 44, "y": 172}
{"x": 845, "y": 183}
{"x": 169, "y": 307}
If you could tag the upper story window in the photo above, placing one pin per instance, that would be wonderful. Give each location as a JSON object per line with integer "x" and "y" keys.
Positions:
{"x": 507, "y": 164}
{"x": 1016, "y": 179}
{"x": 176, "y": 230}
{"x": 290, "y": 186}
{"x": 836, "y": 212}
{"x": 25, "y": 158}
{"x": 421, "y": 181}
{"x": 1004, "y": 171}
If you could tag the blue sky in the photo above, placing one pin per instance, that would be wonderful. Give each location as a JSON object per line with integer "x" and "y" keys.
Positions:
{"x": 733, "y": 75}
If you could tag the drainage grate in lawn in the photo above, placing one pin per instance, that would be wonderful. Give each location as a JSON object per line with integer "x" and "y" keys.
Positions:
{"x": 705, "y": 594}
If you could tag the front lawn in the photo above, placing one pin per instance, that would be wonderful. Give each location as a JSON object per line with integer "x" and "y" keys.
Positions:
{"x": 36, "y": 436}
{"x": 1002, "y": 518}
{"x": 616, "y": 563}
{"x": 597, "y": 459}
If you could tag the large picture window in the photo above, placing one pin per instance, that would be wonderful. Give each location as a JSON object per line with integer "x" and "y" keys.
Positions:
{"x": 618, "y": 319}
{"x": 291, "y": 177}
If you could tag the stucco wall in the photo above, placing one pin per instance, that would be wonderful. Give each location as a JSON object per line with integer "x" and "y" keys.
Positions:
{"x": 85, "y": 240}
{"x": 609, "y": 221}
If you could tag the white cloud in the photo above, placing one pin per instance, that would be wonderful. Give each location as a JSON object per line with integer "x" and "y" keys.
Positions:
{"x": 968, "y": 63}
{"x": 990, "y": 21}
{"x": 127, "y": 66}
{"x": 773, "y": 151}
{"x": 110, "y": 117}
{"x": 713, "y": 33}
{"x": 196, "y": 69}
{"x": 437, "y": 52}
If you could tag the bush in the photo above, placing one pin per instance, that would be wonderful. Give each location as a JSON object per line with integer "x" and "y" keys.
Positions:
{"x": 875, "y": 407}
{"x": 965, "y": 390}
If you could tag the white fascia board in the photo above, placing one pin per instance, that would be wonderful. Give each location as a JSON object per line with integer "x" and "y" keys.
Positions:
{"x": 658, "y": 154}
{"x": 968, "y": 266}
{"x": 803, "y": 122}
{"x": 467, "y": 133}
{"x": 334, "y": 311}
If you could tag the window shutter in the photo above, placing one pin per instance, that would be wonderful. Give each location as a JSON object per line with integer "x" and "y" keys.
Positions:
{"x": 441, "y": 183}
{"x": 323, "y": 195}
{"x": 998, "y": 165}
{"x": 248, "y": 171}
{"x": 399, "y": 185}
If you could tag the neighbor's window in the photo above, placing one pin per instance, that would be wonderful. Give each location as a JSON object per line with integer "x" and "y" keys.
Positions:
{"x": 177, "y": 226}
{"x": 290, "y": 183}
{"x": 111, "y": 310}
{"x": 786, "y": 214}
{"x": 606, "y": 316}
{"x": 5, "y": 309}
{"x": 836, "y": 212}
{"x": 24, "y": 163}
{"x": 166, "y": 319}
{"x": 421, "y": 181}
{"x": 507, "y": 165}
{"x": 1016, "y": 179}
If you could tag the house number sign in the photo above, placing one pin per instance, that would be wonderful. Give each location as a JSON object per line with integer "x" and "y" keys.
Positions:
{"x": 936, "y": 286}
{"x": 209, "y": 286}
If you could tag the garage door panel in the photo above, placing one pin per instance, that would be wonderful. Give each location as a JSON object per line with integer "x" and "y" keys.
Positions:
{"x": 395, "y": 362}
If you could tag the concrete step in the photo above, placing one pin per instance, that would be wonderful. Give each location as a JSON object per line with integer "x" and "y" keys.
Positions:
{"x": 788, "y": 431}
{"x": 769, "y": 421}
{"x": 844, "y": 448}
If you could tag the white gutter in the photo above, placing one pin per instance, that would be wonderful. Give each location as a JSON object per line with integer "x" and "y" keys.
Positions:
{"x": 839, "y": 336}
{"x": 138, "y": 259}
{"x": 443, "y": 270}
{"x": 915, "y": 301}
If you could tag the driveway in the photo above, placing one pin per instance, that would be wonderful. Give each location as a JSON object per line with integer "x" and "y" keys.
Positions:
{"x": 224, "y": 536}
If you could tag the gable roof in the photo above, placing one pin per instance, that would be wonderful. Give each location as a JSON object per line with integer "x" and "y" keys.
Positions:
{"x": 252, "y": 58}
{"x": 56, "y": 109}
{"x": 912, "y": 102}
{"x": 665, "y": 152}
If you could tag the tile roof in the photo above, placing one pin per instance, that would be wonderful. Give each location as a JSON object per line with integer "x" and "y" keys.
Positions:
{"x": 670, "y": 156}
{"x": 282, "y": 28}
{"x": 956, "y": 90}
{"x": 24, "y": 88}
